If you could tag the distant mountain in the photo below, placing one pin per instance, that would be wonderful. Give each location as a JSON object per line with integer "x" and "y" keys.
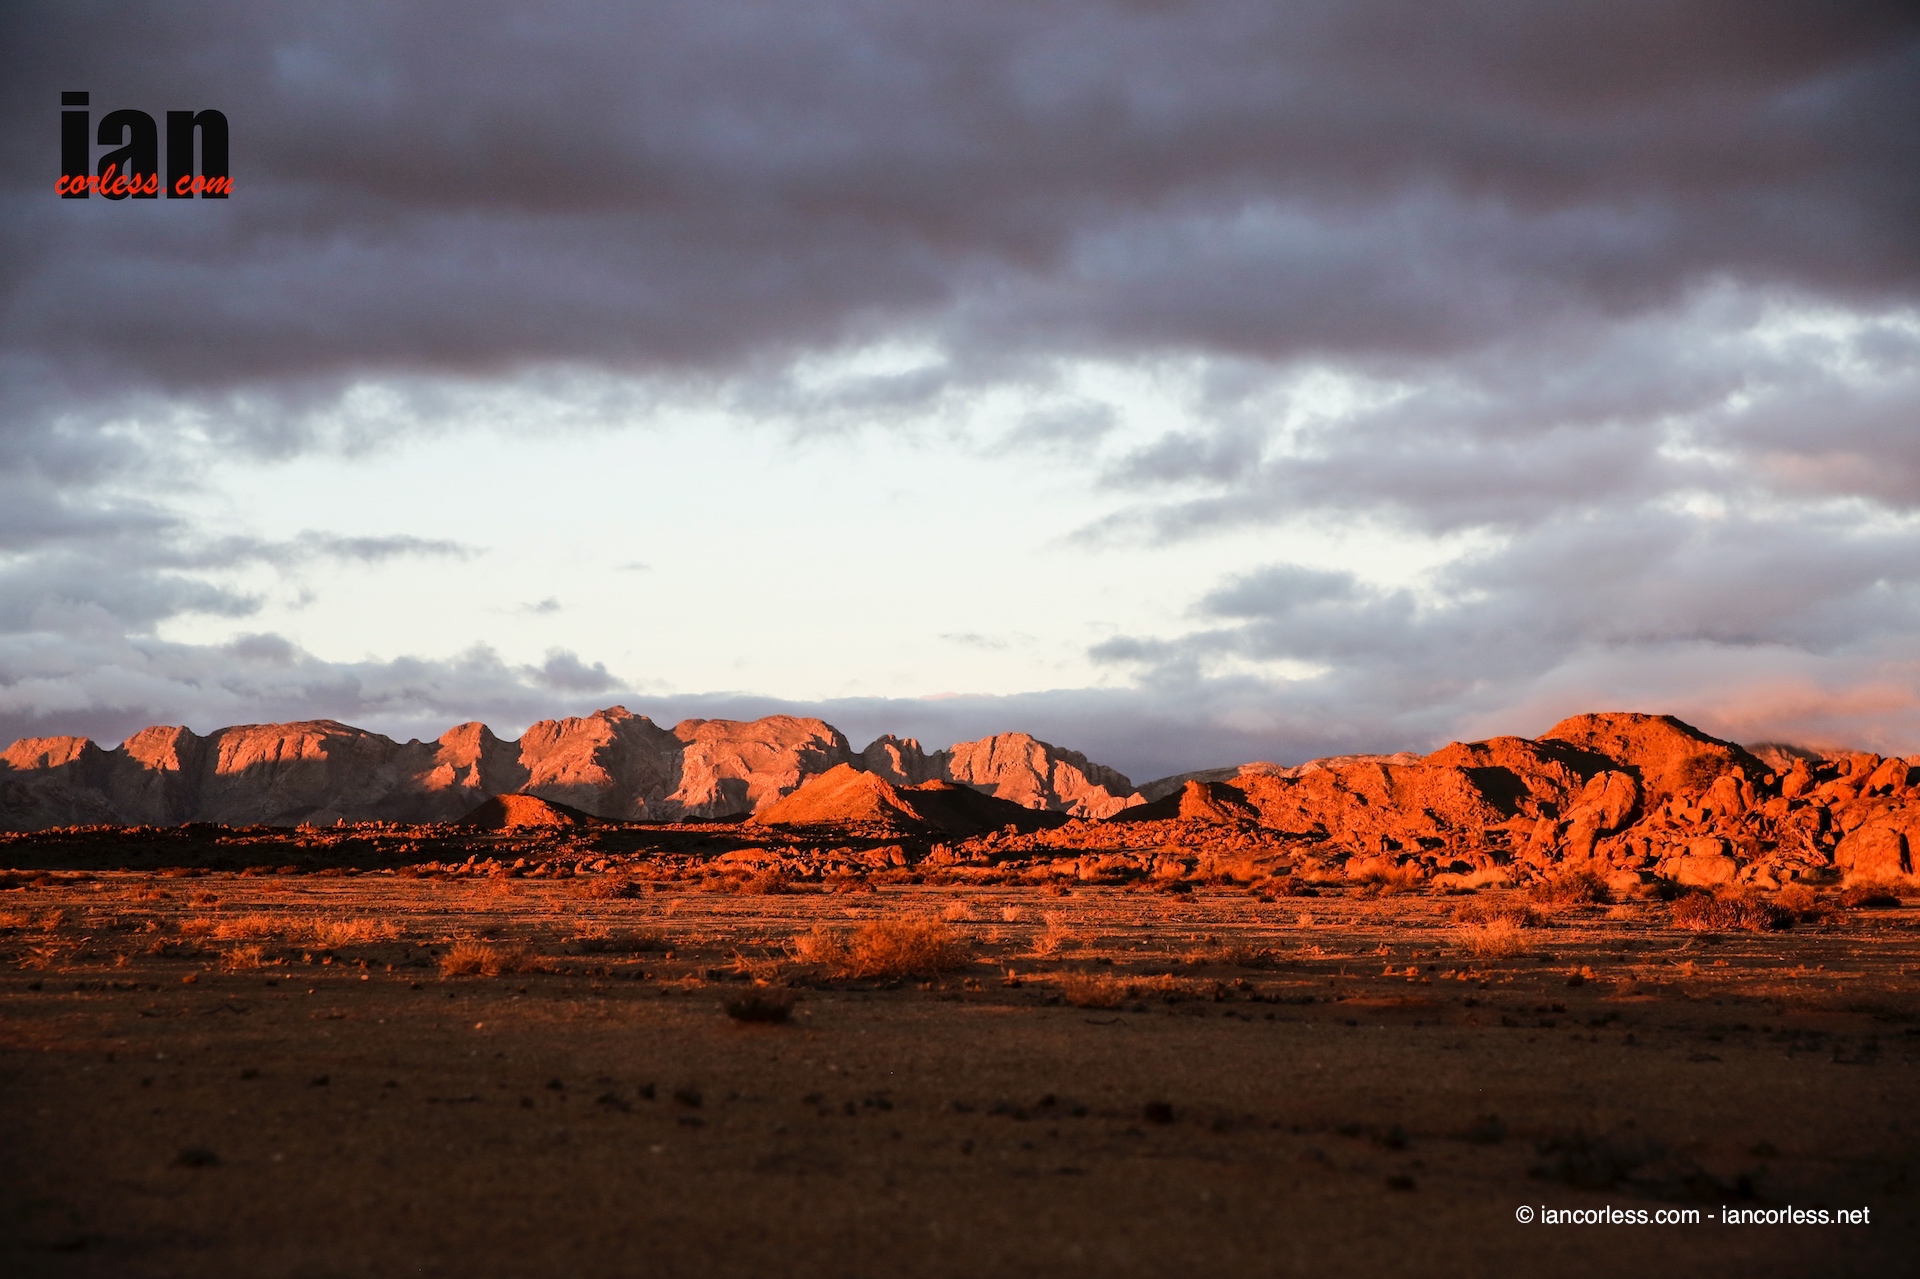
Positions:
{"x": 611, "y": 764}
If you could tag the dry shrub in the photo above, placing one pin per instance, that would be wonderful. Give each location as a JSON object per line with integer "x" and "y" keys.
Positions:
{"x": 957, "y": 912}
{"x": 1239, "y": 954}
{"x": 12, "y": 921}
{"x": 291, "y": 930}
{"x": 467, "y": 957}
{"x": 1494, "y": 938}
{"x": 1869, "y": 896}
{"x": 1287, "y": 885}
{"x": 244, "y": 957}
{"x": 604, "y": 887}
{"x": 820, "y": 945}
{"x": 1738, "y": 909}
{"x": 1572, "y": 888}
{"x": 351, "y": 932}
{"x": 886, "y": 948}
{"x": 761, "y": 970}
{"x": 1057, "y": 937}
{"x": 1378, "y": 877}
{"x": 246, "y": 927}
{"x": 1242, "y": 954}
{"x": 1802, "y": 901}
{"x": 1500, "y": 909}
{"x": 621, "y": 943}
{"x": 766, "y": 883}
{"x": 1103, "y": 990}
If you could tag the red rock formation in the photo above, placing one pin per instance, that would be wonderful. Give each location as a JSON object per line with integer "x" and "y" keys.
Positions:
{"x": 1631, "y": 797}
{"x": 847, "y": 797}
{"x": 728, "y": 767}
{"x": 520, "y": 812}
{"x": 1033, "y": 774}
{"x": 613, "y": 764}
{"x": 1218, "y": 803}
{"x": 1665, "y": 754}
{"x": 901, "y": 761}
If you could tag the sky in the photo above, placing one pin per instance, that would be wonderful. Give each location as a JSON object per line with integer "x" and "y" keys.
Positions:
{"x": 1183, "y": 383}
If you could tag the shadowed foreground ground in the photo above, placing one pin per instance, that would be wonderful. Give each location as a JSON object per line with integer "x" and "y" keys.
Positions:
{"x": 243, "y": 1076}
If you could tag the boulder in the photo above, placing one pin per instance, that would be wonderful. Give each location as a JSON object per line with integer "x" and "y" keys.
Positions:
{"x": 1874, "y": 852}
{"x": 1704, "y": 870}
{"x": 1892, "y": 777}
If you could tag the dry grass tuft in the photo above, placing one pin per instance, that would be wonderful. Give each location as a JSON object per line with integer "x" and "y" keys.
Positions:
{"x": 886, "y": 948}
{"x": 1381, "y": 878}
{"x": 1572, "y": 888}
{"x": 1494, "y": 939}
{"x": 467, "y": 957}
{"x": 1241, "y": 954}
{"x": 244, "y": 957}
{"x": 1869, "y": 896}
{"x": 1103, "y": 990}
{"x": 1494, "y": 928}
{"x": 604, "y": 887}
{"x": 1287, "y": 885}
{"x": 604, "y": 942}
{"x": 1056, "y": 938}
{"x": 247, "y": 927}
{"x": 1493, "y": 909}
{"x": 290, "y": 930}
{"x": 1736, "y": 909}
{"x": 1802, "y": 901}
{"x": 352, "y": 932}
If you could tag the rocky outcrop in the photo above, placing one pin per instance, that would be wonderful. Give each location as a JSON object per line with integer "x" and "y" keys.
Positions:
{"x": 728, "y": 767}
{"x": 524, "y": 812}
{"x": 1033, "y": 774}
{"x": 1633, "y": 798}
{"x": 1213, "y": 802}
{"x": 1667, "y": 756}
{"x": 611, "y": 764}
{"x": 847, "y": 797}
{"x": 901, "y": 761}
{"x": 1010, "y": 766}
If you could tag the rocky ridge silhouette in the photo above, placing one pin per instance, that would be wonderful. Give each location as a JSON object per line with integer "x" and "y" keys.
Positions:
{"x": 1631, "y": 798}
{"x": 612, "y": 764}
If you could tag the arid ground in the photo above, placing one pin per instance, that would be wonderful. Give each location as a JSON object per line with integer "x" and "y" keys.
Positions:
{"x": 226, "y": 1073}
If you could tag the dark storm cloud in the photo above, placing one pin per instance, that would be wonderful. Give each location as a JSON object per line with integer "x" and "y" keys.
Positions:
{"x": 463, "y": 187}
{"x": 1542, "y": 239}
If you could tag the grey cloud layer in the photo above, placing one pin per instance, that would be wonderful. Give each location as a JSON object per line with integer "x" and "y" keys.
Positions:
{"x": 1546, "y": 236}
{"x": 460, "y": 187}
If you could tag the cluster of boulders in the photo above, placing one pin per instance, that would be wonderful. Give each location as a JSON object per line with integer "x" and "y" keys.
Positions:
{"x": 1633, "y": 799}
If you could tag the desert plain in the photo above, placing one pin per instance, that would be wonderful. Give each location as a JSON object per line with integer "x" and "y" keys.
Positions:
{"x": 873, "y": 1029}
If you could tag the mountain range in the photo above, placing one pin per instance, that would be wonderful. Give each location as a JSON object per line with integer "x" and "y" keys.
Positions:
{"x": 612, "y": 764}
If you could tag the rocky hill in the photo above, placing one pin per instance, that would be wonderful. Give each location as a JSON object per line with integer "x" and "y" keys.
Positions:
{"x": 1631, "y": 798}
{"x": 611, "y": 764}
{"x": 849, "y": 798}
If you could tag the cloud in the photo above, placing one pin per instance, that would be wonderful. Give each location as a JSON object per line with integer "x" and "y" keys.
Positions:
{"x": 1615, "y": 305}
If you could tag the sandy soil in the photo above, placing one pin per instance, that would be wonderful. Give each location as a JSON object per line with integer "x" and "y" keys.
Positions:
{"x": 219, "y": 1075}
